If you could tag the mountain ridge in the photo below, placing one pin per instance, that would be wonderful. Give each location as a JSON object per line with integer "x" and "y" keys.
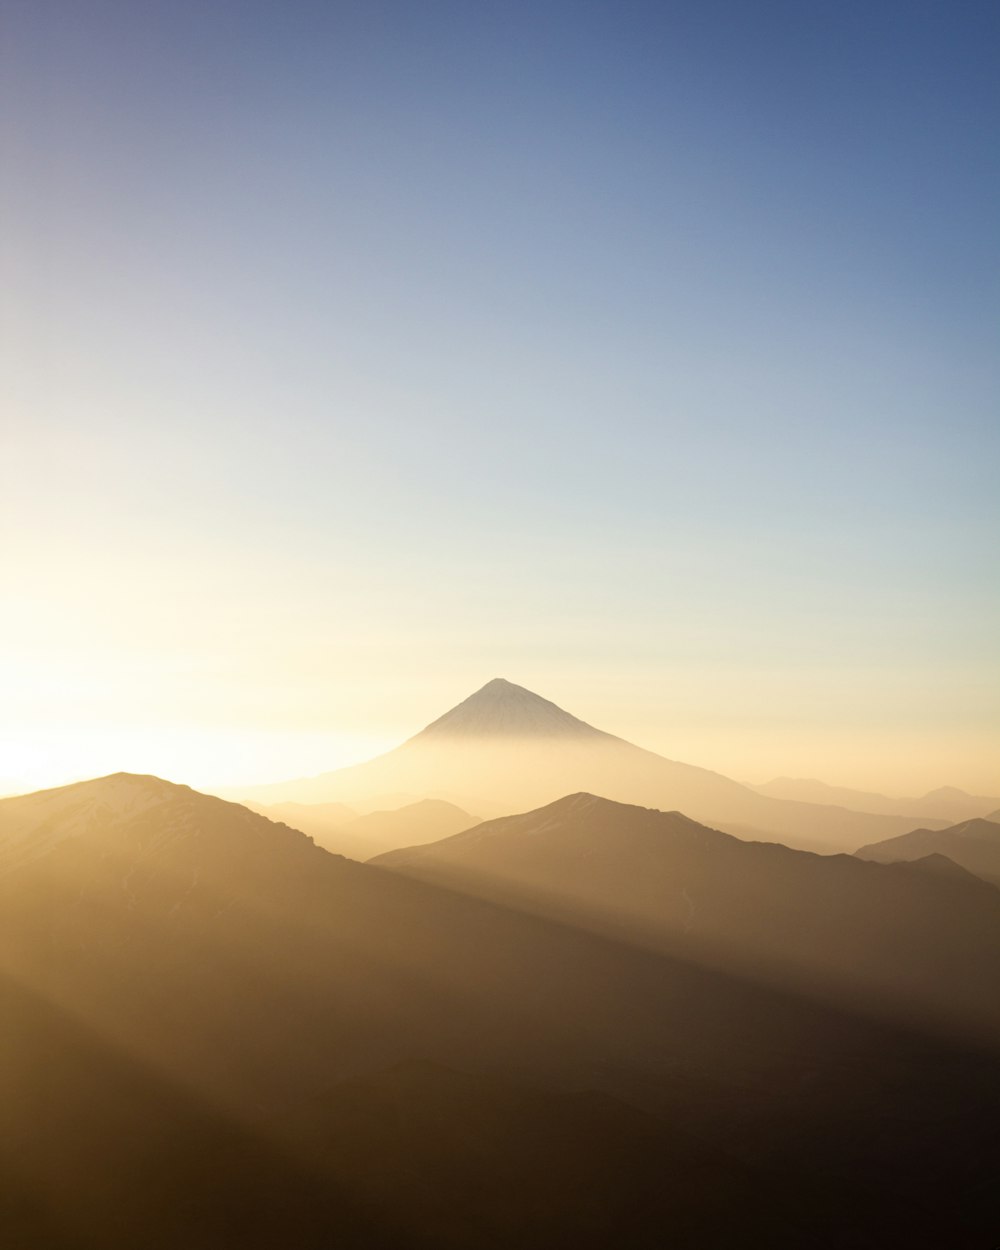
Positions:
{"x": 503, "y": 708}
{"x": 974, "y": 845}
{"x": 947, "y": 803}
{"x": 168, "y": 1000}
{"x": 684, "y": 887}
{"x": 477, "y": 750}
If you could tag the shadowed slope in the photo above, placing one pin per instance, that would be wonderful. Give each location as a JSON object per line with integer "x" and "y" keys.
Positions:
{"x": 528, "y": 1167}
{"x": 834, "y": 924}
{"x": 186, "y": 987}
{"x": 974, "y": 845}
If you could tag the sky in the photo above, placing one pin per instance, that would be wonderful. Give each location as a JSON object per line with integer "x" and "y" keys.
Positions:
{"x": 354, "y": 354}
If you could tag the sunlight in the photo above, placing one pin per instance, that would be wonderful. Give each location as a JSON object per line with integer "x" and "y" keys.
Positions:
{"x": 40, "y": 757}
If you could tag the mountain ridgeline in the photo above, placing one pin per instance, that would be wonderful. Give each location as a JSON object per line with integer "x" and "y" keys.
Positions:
{"x": 337, "y": 828}
{"x": 583, "y": 1025}
{"x": 830, "y": 926}
{"x": 945, "y": 803}
{"x": 505, "y": 749}
{"x": 973, "y": 845}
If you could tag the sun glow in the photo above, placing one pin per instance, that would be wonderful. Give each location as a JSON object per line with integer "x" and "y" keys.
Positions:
{"x": 60, "y": 753}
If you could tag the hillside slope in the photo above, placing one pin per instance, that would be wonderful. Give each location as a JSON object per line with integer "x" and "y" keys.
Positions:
{"x": 203, "y": 1012}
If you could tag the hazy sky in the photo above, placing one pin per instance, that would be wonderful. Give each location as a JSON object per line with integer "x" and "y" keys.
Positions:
{"x": 643, "y": 354}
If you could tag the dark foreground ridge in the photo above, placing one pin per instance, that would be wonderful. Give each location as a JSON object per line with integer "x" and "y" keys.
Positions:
{"x": 217, "y": 1034}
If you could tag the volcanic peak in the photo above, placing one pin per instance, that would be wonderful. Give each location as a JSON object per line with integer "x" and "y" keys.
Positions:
{"x": 503, "y": 709}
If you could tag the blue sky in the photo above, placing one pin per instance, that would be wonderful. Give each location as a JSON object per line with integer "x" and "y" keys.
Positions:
{"x": 645, "y": 354}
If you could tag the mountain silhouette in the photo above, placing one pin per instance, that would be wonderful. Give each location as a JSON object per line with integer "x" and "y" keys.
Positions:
{"x": 946, "y": 803}
{"x": 973, "y": 844}
{"x": 787, "y": 916}
{"x": 501, "y": 708}
{"x": 506, "y": 749}
{"x": 941, "y": 865}
{"x": 216, "y": 1032}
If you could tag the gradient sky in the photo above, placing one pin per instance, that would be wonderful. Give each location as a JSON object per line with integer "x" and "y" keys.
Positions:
{"x": 643, "y": 354}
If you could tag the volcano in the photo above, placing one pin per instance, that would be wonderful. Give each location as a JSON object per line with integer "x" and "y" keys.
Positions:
{"x": 506, "y": 749}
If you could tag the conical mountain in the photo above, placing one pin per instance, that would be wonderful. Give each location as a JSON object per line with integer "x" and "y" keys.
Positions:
{"x": 502, "y": 709}
{"x": 506, "y": 749}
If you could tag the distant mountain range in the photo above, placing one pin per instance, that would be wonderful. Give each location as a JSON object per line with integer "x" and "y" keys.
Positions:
{"x": 973, "y": 844}
{"x": 946, "y": 803}
{"x": 505, "y": 749}
{"x": 216, "y": 1033}
{"x": 339, "y": 829}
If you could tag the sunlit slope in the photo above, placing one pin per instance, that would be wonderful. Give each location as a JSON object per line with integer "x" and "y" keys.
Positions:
{"x": 505, "y": 748}
{"x": 974, "y": 845}
{"x": 239, "y": 955}
{"x": 927, "y": 942}
{"x": 196, "y": 1000}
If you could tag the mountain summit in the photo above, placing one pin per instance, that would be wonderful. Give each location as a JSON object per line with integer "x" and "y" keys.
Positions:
{"x": 506, "y": 749}
{"x": 503, "y": 709}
